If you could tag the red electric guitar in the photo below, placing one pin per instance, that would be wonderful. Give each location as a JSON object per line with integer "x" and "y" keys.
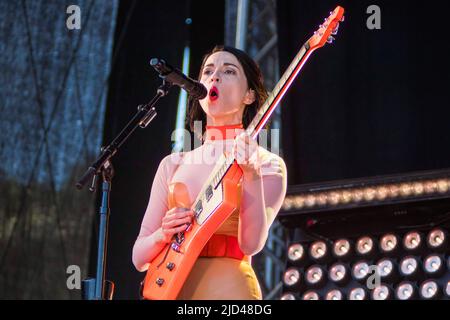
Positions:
{"x": 217, "y": 200}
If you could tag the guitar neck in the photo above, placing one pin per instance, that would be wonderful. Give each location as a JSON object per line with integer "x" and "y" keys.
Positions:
{"x": 264, "y": 113}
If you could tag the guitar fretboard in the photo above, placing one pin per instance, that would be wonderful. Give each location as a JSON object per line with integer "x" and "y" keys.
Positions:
{"x": 264, "y": 113}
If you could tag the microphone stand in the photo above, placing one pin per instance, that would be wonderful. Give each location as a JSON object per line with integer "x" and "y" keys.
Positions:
{"x": 98, "y": 288}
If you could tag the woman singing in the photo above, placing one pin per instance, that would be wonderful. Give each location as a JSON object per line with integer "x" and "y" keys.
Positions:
{"x": 223, "y": 270}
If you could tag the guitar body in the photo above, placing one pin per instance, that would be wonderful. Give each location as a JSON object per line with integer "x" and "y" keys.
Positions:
{"x": 170, "y": 268}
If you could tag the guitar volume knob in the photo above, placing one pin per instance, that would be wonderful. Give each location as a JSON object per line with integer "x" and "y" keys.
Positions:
{"x": 170, "y": 266}
{"x": 160, "y": 281}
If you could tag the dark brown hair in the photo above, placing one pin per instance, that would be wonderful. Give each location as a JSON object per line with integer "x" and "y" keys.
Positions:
{"x": 255, "y": 82}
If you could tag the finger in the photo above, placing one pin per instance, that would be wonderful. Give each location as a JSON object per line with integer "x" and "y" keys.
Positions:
{"x": 251, "y": 147}
{"x": 178, "y": 212}
{"x": 244, "y": 153}
{"x": 177, "y": 222}
{"x": 180, "y": 229}
{"x": 242, "y": 140}
{"x": 180, "y": 215}
{"x": 172, "y": 231}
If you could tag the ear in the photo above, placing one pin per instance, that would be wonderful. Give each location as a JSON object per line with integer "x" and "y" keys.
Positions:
{"x": 250, "y": 97}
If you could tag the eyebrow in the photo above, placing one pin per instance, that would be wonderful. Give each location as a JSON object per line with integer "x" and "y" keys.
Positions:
{"x": 225, "y": 64}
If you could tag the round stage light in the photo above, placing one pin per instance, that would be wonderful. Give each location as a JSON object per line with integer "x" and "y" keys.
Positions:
{"x": 433, "y": 265}
{"x": 429, "y": 290}
{"x": 388, "y": 243}
{"x": 360, "y": 270}
{"x": 314, "y": 275}
{"x": 357, "y": 294}
{"x": 291, "y": 277}
{"x": 287, "y": 296}
{"x": 369, "y": 194}
{"x": 412, "y": 240}
{"x": 338, "y": 273}
{"x": 382, "y": 292}
{"x": 382, "y": 192}
{"x": 357, "y": 195}
{"x": 385, "y": 268}
{"x": 334, "y": 295}
{"x": 418, "y": 188}
{"x": 364, "y": 246}
{"x": 409, "y": 266}
{"x": 406, "y": 189}
{"x": 405, "y": 291}
{"x": 310, "y": 201}
{"x": 341, "y": 248}
{"x": 318, "y": 250}
{"x": 431, "y": 186}
{"x": 436, "y": 238}
{"x": 311, "y": 295}
{"x": 442, "y": 185}
{"x": 299, "y": 202}
{"x": 296, "y": 252}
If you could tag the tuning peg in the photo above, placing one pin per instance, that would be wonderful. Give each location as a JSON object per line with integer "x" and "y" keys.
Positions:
{"x": 330, "y": 39}
{"x": 343, "y": 18}
{"x": 335, "y": 31}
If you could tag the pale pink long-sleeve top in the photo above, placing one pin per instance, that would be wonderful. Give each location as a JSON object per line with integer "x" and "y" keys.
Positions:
{"x": 264, "y": 190}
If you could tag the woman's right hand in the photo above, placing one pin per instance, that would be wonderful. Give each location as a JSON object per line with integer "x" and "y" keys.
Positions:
{"x": 175, "y": 220}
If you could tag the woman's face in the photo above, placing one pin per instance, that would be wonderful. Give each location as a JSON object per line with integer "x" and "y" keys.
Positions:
{"x": 228, "y": 94}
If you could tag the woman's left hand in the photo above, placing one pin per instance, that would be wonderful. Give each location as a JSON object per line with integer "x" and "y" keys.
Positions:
{"x": 245, "y": 151}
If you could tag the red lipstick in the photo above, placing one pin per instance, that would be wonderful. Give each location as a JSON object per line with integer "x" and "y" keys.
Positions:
{"x": 213, "y": 93}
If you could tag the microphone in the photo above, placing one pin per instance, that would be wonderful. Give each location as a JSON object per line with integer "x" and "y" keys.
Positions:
{"x": 195, "y": 89}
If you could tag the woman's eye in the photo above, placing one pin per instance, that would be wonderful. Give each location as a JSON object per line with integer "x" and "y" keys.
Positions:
{"x": 230, "y": 72}
{"x": 207, "y": 72}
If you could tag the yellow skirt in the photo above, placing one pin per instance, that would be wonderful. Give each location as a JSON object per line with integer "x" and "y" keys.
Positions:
{"x": 220, "y": 278}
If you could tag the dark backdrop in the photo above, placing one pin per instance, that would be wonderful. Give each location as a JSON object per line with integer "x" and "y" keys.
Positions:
{"x": 376, "y": 101}
{"x": 154, "y": 29}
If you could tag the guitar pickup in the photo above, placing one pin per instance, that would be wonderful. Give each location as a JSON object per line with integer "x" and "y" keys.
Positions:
{"x": 209, "y": 193}
{"x": 198, "y": 208}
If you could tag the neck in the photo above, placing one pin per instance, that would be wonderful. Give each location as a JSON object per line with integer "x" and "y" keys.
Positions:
{"x": 225, "y": 120}
{"x": 223, "y": 132}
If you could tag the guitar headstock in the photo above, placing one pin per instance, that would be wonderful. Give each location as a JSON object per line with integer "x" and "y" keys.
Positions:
{"x": 328, "y": 29}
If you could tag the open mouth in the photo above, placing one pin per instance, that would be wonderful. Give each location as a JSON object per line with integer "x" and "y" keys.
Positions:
{"x": 213, "y": 94}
